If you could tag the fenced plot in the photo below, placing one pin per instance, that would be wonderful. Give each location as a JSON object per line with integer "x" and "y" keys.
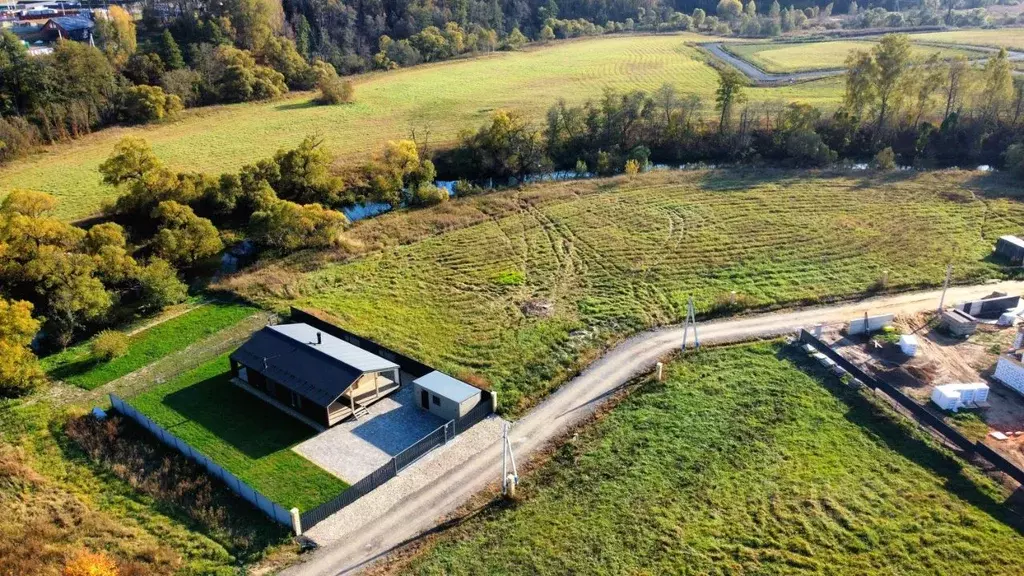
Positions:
{"x": 272, "y": 509}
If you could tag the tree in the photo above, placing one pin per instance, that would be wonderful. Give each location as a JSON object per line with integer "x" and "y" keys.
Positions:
{"x": 728, "y": 95}
{"x": 287, "y": 226}
{"x": 142, "y": 104}
{"x": 170, "y": 54}
{"x": 333, "y": 89}
{"x": 729, "y": 9}
{"x": 304, "y": 174}
{"x": 184, "y": 238}
{"x": 775, "y": 12}
{"x": 878, "y": 80}
{"x": 160, "y": 286}
{"x": 698, "y": 18}
{"x": 19, "y": 369}
{"x": 997, "y": 93}
{"x": 515, "y": 40}
{"x": 28, "y": 203}
{"x": 750, "y": 9}
{"x": 928, "y": 79}
{"x": 132, "y": 160}
{"x": 852, "y": 9}
{"x": 546, "y": 34}
{"x": 21, "y": 77}
{"x": 885, "y": 160}
{"x": 115, "y": 35}
{"x": 958, "y": 79}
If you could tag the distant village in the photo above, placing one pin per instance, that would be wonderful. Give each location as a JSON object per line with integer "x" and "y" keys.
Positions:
{"x": 40, "y": 24}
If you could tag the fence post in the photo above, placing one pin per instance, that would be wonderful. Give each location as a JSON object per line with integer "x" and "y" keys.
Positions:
{"x": 659, "y": 368}
{"x": 395, "y": 462}
{"x": 494, "y": 401}
{"x": 296, "y": 521}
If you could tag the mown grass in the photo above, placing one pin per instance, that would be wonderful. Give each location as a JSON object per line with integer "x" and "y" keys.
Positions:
{"x": 617, "y": 256}
{"x": 78, "y": 367}
{"x": 812, "y": 56}
{"x": 443, "y": 98}
{"x": 742, "y": 463}
{"x": 241, "y": 433}
{"x": 1010, "y": 38}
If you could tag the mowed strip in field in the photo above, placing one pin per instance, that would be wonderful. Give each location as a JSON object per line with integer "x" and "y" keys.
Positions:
{"x": 1009, "y": 38}
{"x": 554, "y": 271}
{"x": 813, "y": 56}
{"x": 443, "y": 98}
{"x": 746, "y": 460}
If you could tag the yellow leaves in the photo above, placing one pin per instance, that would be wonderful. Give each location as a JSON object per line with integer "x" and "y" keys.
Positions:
{"x": 28, "y": 202}
{"x": 87, "y": 563}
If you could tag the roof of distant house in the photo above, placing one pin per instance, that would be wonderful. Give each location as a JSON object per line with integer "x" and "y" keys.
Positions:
{"x": 315, "y": 364}
{"x": 70, "y": 23}
{"x": 444, "y": 385}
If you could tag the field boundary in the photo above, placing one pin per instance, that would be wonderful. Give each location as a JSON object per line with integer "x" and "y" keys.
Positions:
{"x": 921, "y": 414}
{"x": 272, "y": 509}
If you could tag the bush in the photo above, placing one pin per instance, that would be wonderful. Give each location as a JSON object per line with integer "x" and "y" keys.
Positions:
{"x": 429, "y": 195}
{"x": 183, "y": 83}
{"x": 108, "y": 345}
{"x": 885, "y": 160}
{"x": 87, "y": 563}
{"x": 142, "y": 104}
{"x": 17, "y": 137}
{"x": 632, "y": 168}
{"x": 333, "y": 88}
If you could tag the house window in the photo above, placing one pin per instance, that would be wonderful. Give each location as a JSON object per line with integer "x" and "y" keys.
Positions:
{"x": 437, "y": 401}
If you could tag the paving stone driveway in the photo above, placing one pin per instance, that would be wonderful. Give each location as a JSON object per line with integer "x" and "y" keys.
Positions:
{"x": 355, "y": 448}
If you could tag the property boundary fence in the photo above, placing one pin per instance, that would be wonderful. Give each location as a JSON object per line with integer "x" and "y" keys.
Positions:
{"x": 922, "y": 414}
{"x": 398, "y": 462}
{"x": 272, "y": 509}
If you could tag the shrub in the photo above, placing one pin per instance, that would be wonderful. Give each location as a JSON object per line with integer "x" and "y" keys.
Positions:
{"x": 632, "y": 168}
{"x": 17, "y": 137}
{"x": 108, "y": 345}
{"x": 885, "y": 160}
{"x": 333, "y": 88}
{"x": 141, "y": 104}
{"x": 87, "y": 563}
{"x": 429, "y": 195}
{"x": 183, "y": 83}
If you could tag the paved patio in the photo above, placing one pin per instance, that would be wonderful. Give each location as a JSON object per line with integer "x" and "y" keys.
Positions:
{"x": 355, "y": 448}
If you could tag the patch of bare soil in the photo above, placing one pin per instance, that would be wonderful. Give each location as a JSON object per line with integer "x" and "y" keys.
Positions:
{"x": 942, "y": 359}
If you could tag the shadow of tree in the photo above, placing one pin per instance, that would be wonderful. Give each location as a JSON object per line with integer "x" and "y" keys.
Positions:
{"x": 240, "y": 419}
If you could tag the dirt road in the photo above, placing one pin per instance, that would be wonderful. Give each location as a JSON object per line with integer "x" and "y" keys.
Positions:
{"x": 575, "y": 401}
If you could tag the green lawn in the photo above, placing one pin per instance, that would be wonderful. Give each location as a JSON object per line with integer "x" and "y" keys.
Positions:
{"x": 444, "y": 98}
{"x": 241, "y": 433}
{"x": 77, "y": 366}
{"x": 1011, "y": 38}
{"x": 812, "y": 56}
{"x": 743, "y": 463}
{"x": 617, "y": 256}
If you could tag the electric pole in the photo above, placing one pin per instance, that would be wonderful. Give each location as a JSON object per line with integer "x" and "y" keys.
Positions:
{"x": 691, "y": 319}
{"x": 945, "y": 286}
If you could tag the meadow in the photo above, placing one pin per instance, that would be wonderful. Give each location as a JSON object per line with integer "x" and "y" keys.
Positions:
{"x": 77, "y": 366}
{"x": 527, "y": 285}
{"x": 1009, "y": 38}
{"x": 436, "y": 100}
{"x": 245, "y": 435}
{"x": 812, "y": 56}
{"x": 746, "y": 460}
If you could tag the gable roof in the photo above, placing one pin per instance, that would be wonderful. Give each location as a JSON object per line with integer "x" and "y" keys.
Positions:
{"x": 289, "y": 355}
{"x": 447, "y": 387}
{"x": 72, "y": 23}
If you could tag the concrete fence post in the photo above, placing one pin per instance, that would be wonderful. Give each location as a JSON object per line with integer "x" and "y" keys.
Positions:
{"x": 296, "y": 521}
{"x": 494, "y": 401}
{"x": 817, "y": 330}
{"x": 659, "y": 371}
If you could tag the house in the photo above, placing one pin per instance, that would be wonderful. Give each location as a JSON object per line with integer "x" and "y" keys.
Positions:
{"x": 1011, "y": 248}
{"x": 77, "y": 28}
{"x": 444, "y": 396}
{"x": 323, "y": 378}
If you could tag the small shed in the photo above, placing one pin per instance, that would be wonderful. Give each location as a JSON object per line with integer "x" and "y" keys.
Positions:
{"x": 70, "y": 27}
{"x": 953, "y": 397}
{"x": 444, "y": 396}
{"x": 1011, "y": 248}
{"x": 908, "y": 344}
{"x": 959, "y": 323}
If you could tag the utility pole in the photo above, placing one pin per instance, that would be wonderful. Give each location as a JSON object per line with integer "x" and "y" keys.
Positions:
{"x": 945, "y": 286}
{"x": 691, "y": 319}
{"x": 508, "y": 481}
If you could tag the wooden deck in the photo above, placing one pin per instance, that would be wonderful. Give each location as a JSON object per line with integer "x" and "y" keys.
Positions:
{"x": 343, "y": 408}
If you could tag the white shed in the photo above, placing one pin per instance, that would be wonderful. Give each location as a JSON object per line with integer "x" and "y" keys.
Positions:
{"x": 953, "y": 397}
{"x": 447, "y": 397}
{"x": 908, "y": 344}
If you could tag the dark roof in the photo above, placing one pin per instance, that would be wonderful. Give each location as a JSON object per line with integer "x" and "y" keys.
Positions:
{"x": 289, "y": 355}
{"x": 71, "y": 23}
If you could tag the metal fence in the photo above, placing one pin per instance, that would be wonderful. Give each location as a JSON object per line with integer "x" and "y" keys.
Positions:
{"x": 921, "y": 413}
{"x": 397, "y": 463}
{"x": 272, "y": 509}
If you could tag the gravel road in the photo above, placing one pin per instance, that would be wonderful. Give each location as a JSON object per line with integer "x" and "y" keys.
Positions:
{"x": 578, "y": 399}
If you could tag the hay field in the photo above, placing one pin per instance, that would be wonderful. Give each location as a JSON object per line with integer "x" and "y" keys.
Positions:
{"x": 443, "y": 98}
{"x": 813, "y": 56}
{"x": 612, "y": 257}
{"x": 746, "y": 460}
{"x": 1009, "y": 38}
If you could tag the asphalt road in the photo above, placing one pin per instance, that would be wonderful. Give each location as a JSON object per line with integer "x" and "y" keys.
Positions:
{"x": 578, "y": 399}
{"x": 761, "y": 78}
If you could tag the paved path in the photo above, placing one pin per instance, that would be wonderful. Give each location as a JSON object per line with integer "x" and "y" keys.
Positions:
{"x": 572, "y": 403}
{"x": 762, "y": 78}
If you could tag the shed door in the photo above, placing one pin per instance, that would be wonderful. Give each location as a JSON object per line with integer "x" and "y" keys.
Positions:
{"x": 424, "y": 399}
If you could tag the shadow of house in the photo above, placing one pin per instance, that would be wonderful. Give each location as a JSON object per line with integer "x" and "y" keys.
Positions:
{"x": 251, "y": 426}
{"x": 395, "y": 430}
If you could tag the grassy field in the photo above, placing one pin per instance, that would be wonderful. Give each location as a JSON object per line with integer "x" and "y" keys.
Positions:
{"x": 616, "y": 256}
{"x": 77, "y": 366}
{"x": 742, "y": 463}
{"x": 810, "y": 56}
{"x": 241, "y": 433}
{"x": 443, "y": 98}
{"x": 1010, "y": 38}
